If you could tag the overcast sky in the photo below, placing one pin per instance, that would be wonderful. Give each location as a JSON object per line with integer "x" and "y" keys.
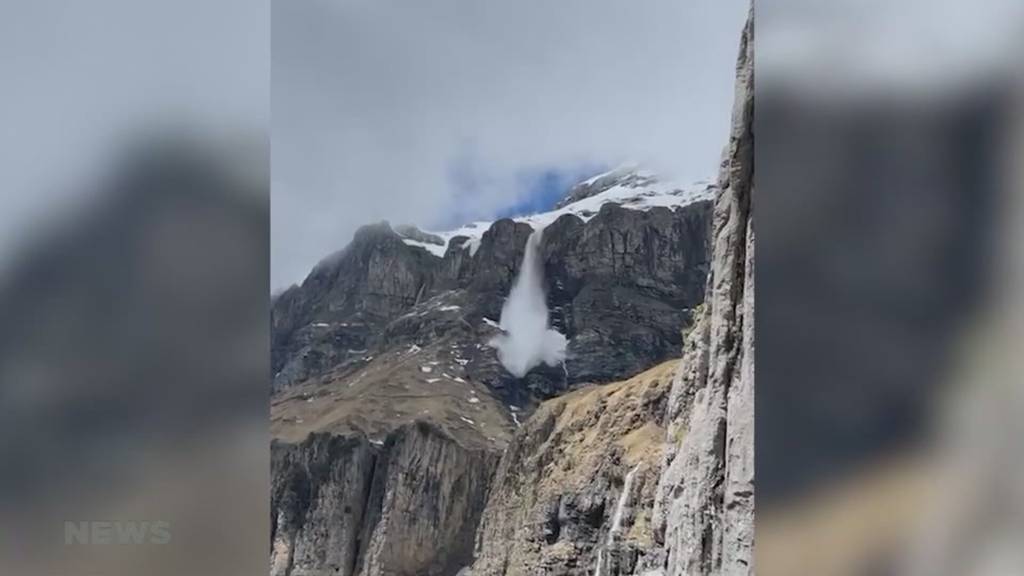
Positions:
{"x": 82, "y": 78}
{"x": 445, "y": 111}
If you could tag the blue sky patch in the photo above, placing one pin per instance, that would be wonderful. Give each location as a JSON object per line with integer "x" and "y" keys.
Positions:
{"x": 532, "y": 190}
{"x": 545, "y": 187}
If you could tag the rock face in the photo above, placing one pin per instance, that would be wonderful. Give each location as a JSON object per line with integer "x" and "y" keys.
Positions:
{"x": 619, "y": 287}
{"x": 574, "y": 491}
{"x": 704, "y": 510}
{"x": 344, "y": 505}
{"x": 623, "y": 285}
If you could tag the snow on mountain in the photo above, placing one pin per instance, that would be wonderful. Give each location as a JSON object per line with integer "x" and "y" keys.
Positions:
{"x": 626, "y": 185}
{"x": 435, "y": 249}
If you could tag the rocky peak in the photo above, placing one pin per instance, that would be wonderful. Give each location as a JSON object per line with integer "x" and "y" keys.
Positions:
{"x": 371, "y": 232}
{"x": 630, "y": 185}
{"x": 410, "y": 232}
{"x": 627, "y": 175}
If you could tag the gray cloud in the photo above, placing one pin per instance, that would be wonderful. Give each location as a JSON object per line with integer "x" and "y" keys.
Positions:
{"x": 81, "y": 79}
{"x": 375, "y": 103}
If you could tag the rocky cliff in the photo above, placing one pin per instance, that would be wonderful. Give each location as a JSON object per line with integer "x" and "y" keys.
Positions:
{"x": 575, "y": 489}
{"x": 704, "y": 509}
{"x": 405, "y": 506}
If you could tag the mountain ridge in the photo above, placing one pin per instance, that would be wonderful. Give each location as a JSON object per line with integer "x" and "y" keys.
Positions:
{"x": 385, "y": 272}
{"x": 627, "y": 185}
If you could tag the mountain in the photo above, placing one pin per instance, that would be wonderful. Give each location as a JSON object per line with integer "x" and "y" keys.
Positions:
{"x": 390, "y": 344}
{"x": 507, "y": 398}
{"x": 621, "y": 267}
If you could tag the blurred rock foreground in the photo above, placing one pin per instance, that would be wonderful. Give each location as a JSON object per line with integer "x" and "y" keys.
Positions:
{"x": 119, "y": 397}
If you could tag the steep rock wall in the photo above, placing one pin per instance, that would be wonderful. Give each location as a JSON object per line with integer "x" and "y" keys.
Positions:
{"x": 704, "y": 509}
{"x": 574, "y": 490}
{"x": 346, "y": 506}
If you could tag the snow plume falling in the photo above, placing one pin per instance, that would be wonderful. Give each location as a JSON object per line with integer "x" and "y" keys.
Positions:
{"x": 527, "y": 339}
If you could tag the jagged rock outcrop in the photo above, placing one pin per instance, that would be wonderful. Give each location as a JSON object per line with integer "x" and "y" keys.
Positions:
{"x": 405, "y": 506}
{"x": 704, "y": 508}
{"x": 574, "y": 490}
{"x": 622, "y": 285}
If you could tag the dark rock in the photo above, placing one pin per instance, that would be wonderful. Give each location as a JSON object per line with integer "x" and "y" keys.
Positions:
{"x": 622, "y": 283}
{"x": 579, "y": 462}
{"x": 704, "y": 510}
{"x": 408, "y": 506}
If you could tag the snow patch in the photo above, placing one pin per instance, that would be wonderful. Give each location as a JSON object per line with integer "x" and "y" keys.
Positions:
{"x": 435, "y": 249}
{"x": 643, "y": 193}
